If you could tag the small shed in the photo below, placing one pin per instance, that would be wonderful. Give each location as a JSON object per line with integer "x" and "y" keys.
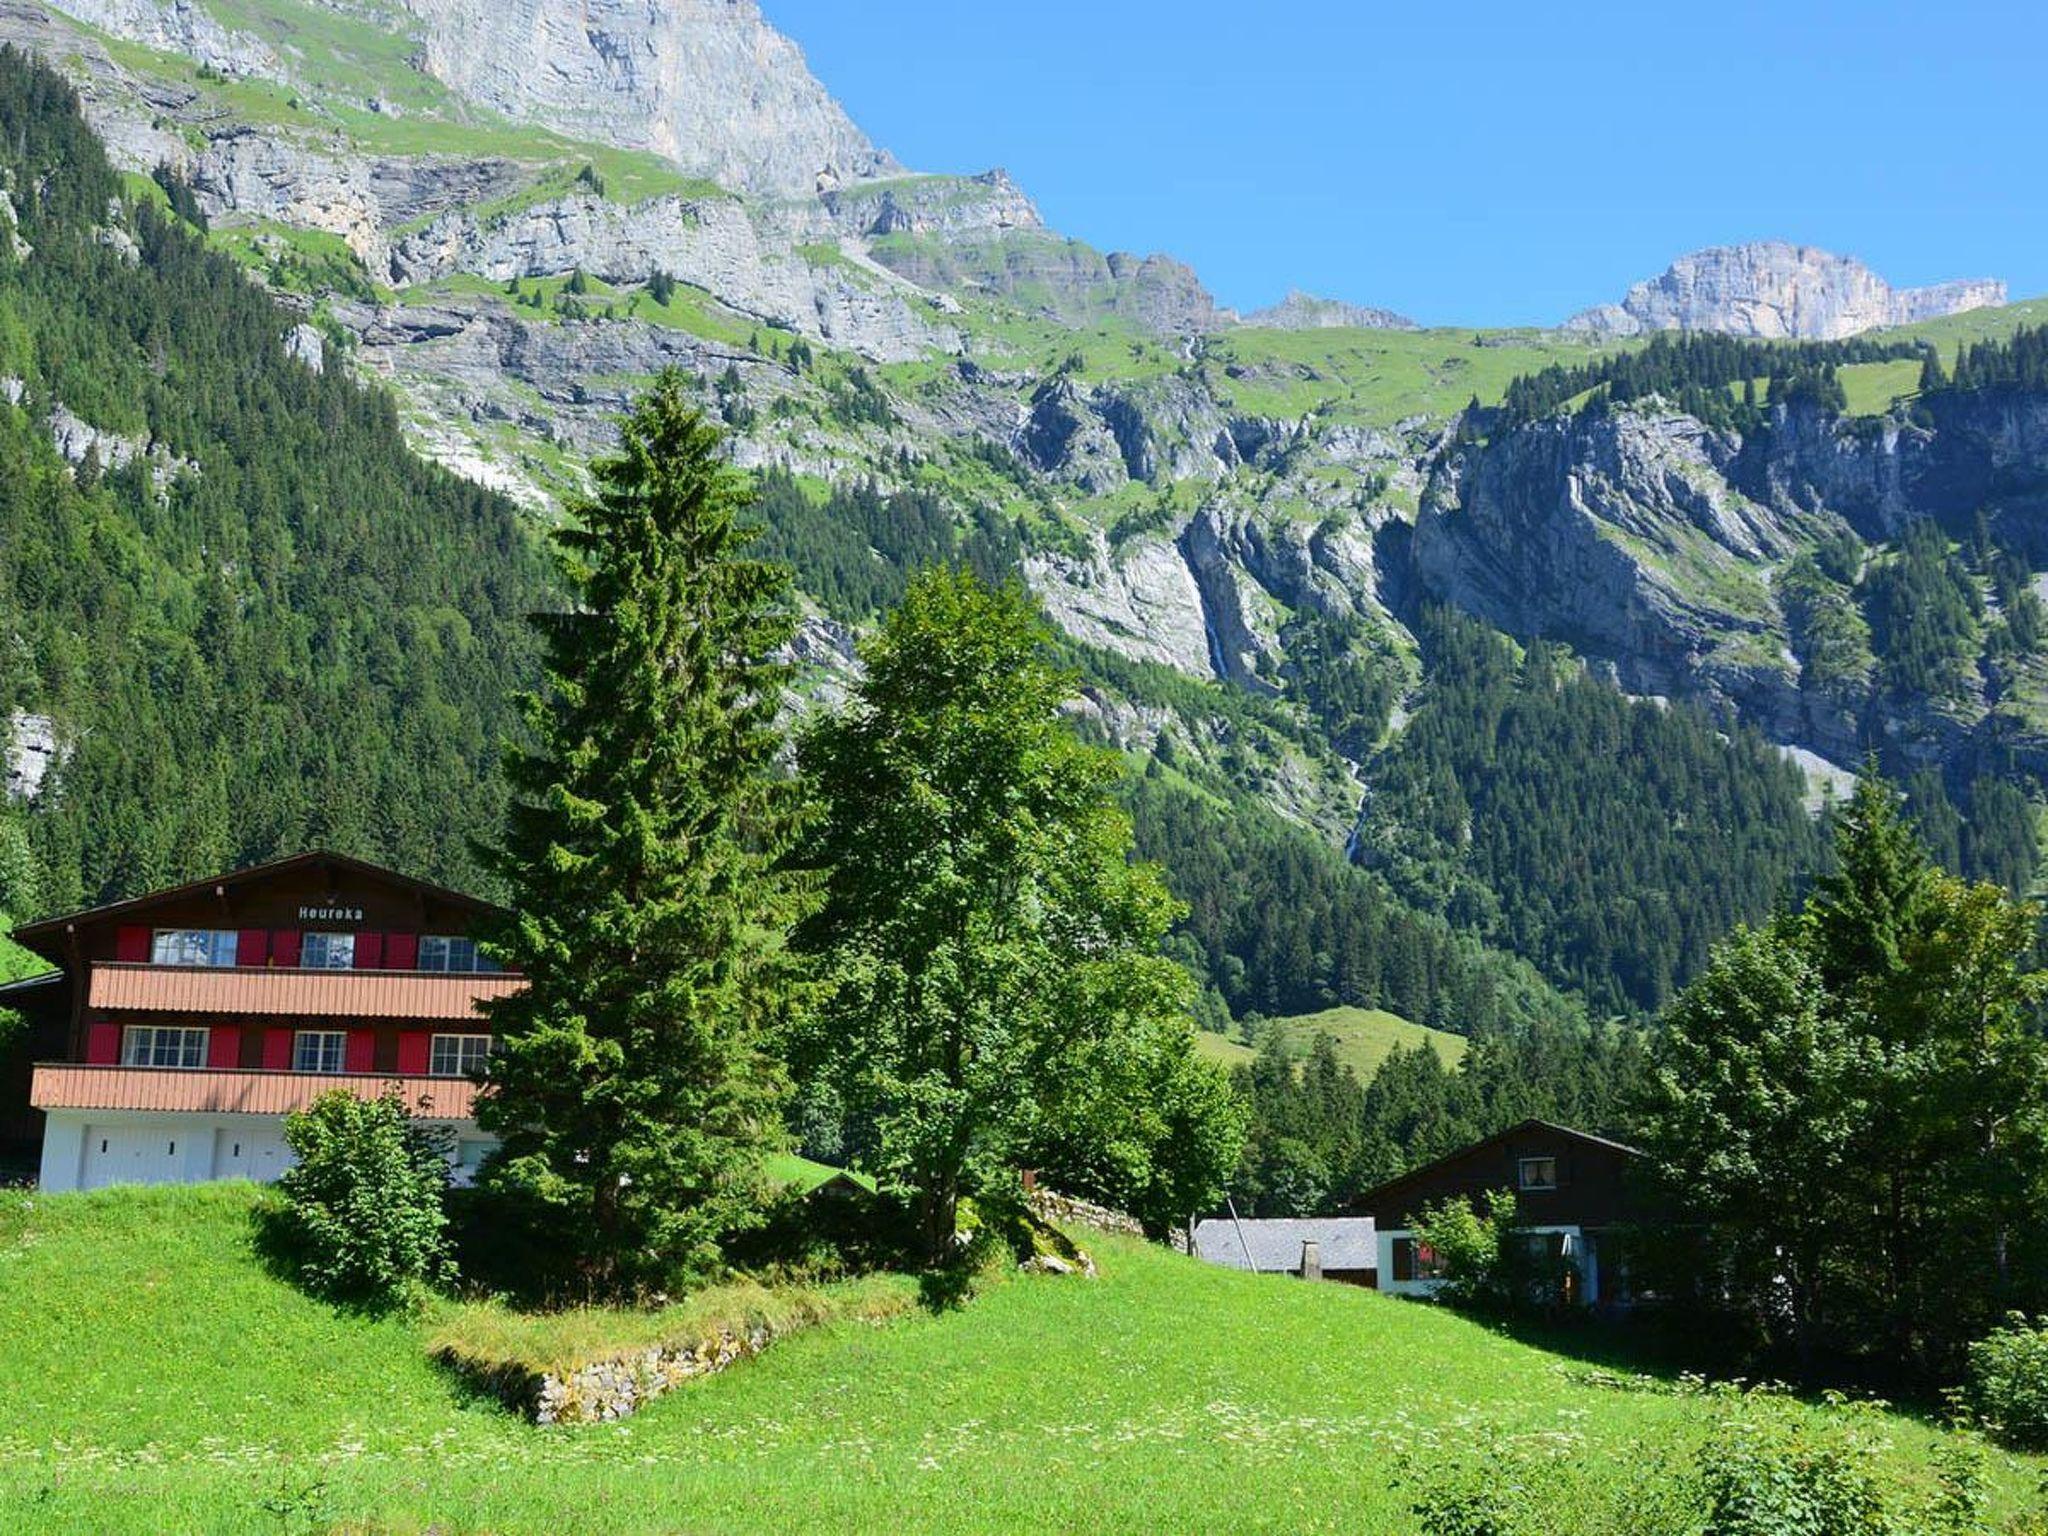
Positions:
{"x": 1345, "y": 1248}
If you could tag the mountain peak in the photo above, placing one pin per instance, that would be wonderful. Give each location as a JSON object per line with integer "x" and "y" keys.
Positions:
{"x": 1772, "y": 289}
{"x": 708, "y": 84}
{"x": 1301, "y": 311}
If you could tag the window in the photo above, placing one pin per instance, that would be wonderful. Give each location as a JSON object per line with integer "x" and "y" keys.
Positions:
{"x": 144, "y": 1045}
{"x": 327, "y": 951}
{"x": 192, "y": 946}
{"x": 1417, "y": 1261}
{"x": 319, "y": 1050}
{"x": 450, "y": 952}
{"x": 1538, "y": 1173}
{"x": 458, "y": 1055}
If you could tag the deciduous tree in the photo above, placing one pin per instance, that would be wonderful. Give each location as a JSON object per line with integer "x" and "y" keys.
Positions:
{"x": 1000, "y": 997}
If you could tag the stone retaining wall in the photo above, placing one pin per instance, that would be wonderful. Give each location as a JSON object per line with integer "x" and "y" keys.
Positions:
{"x": 1068, "y": 1210}
{"x": 604, "y": 1390}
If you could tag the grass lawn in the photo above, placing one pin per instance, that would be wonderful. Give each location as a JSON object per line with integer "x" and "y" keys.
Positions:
{"x": 1364, "y": 1036}
{"x": 162, "y": 1381}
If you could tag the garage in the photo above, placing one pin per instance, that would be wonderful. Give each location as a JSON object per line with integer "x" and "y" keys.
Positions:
{"x": 250, "y": 1152}
{"x": 133, "y": 1154}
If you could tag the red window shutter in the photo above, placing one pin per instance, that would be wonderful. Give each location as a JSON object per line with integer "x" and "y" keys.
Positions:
{"x": 414, "y": 1046}
{"x": 103, "y": 1045}
{"x": 131, "y": 944}
{"x": 223, "y": 1047}
{"x": 277, "y": 1050}
{"x": 362, "y": 1051}
{"x": 284, "y": 947}
{"x": 369, "y": 951}
{"x": 401, "y": 951}
{"x": 252, "y": 947}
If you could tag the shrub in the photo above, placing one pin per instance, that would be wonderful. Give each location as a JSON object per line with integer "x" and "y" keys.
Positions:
{"x": 1498, "y": 1485}
{"x": 364, "y": 1215}
{"x": 2008, "y": 1382}
{"x": 1491, "y": 1261}
{"x": 1770, "y": 1466}
{"x": 1773, "y": 1473}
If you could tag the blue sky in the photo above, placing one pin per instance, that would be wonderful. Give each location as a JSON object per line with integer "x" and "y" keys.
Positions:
{"x": 1495, "y": 163}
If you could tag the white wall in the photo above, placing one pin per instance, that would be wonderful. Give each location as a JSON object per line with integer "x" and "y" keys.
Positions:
{"x": 1586, "y": 1259}
{"x": 206, "y": 1146}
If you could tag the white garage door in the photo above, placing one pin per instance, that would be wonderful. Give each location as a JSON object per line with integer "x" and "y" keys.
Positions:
{"x": 132, "y": 1154}
{"x": 250, "y": 1152}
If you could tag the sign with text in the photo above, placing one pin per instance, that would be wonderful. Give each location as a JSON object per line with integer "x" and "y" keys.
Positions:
{"x": 330, "y": 914}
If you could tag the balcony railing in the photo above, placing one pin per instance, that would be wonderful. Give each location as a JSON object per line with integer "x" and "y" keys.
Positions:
{"x": 194, "y": 1090}
{"x": 279, "y": 993}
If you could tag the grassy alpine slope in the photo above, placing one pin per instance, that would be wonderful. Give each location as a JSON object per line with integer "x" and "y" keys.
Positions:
{"x": 163, "y": 1381}
{"x": 1364, "y": 1037}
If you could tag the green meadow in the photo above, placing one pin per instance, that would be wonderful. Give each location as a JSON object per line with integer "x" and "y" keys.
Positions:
{"x": 1364, "y": 1037}
{"x": 163, "y": 1380}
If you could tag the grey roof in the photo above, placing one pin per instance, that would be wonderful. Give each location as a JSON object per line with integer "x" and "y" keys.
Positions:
{"x": 1347, "y": 1242}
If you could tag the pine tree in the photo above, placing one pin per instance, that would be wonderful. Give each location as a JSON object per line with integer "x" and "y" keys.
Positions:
{"x": 633, "y": 1092}
{"x": 1932, "y": 379}
{"x": 1868, "y": 911}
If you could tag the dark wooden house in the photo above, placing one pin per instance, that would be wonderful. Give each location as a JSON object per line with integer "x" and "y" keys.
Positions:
{"x": 1575, "y": 1193}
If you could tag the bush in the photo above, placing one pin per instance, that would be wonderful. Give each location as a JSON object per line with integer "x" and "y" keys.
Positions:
{"x": 365, "y": 1216}
{"x": 1491, "y": 1261}
{"x": 1774, "y": 1473}
{"x": 2008, "y": 1382}
{"x": 1770, "y": 1466}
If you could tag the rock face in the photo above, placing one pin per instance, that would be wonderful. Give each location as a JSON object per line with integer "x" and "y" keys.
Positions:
{"x": 1305, "y": 312}
{"x": 706, "y": 83}
{"x": 1623, "y": 536}
{"x": 1771, "y": 290}
{"x": 32, "y": 751}
{"x": 180, "y": 26}
{"x": 1653, "y": 544}
{"x": 932, "y": 205}
{"x": 750, "y": 259}
{"x": 1065, "y": 280}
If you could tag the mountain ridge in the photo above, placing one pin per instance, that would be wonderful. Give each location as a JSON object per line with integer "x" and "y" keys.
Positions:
{"x": 1774, "y": 290}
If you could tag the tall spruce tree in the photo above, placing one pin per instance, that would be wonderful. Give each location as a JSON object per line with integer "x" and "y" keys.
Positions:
{"x": 634, "y": 1090}
{"x": 1001, "y": 998}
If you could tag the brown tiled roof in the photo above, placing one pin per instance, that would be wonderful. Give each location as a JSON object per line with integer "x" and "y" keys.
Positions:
{"x": 35, "y": 935}
{"x": 64, "y": 1085}
{"x": 289, "y": 993}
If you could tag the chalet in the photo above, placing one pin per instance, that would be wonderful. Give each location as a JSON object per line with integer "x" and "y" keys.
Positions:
{"x": 184, "y": 1025}
{"x": 1340, "y": 1248}
{"x": 1573, "y": 1191}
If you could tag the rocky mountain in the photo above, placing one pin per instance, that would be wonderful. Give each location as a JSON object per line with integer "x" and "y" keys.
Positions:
{"x": 1306, "y": 312}
{"x": 1678, "y": 555}
{"x": 705, "y": 83}
{"x": 1244, "y": 527}
{"x": 1773, "y": 290}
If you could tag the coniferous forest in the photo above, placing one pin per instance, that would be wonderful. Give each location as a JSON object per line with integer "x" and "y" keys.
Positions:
{"x": 1610, "y": 841}
{"x": 272, "y": 626}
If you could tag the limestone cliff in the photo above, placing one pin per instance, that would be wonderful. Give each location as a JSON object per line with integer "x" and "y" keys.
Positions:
{"x": 707, "y": 83}
{"x": 1771, "y": 290}
{"x": 1656, "y": 545}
